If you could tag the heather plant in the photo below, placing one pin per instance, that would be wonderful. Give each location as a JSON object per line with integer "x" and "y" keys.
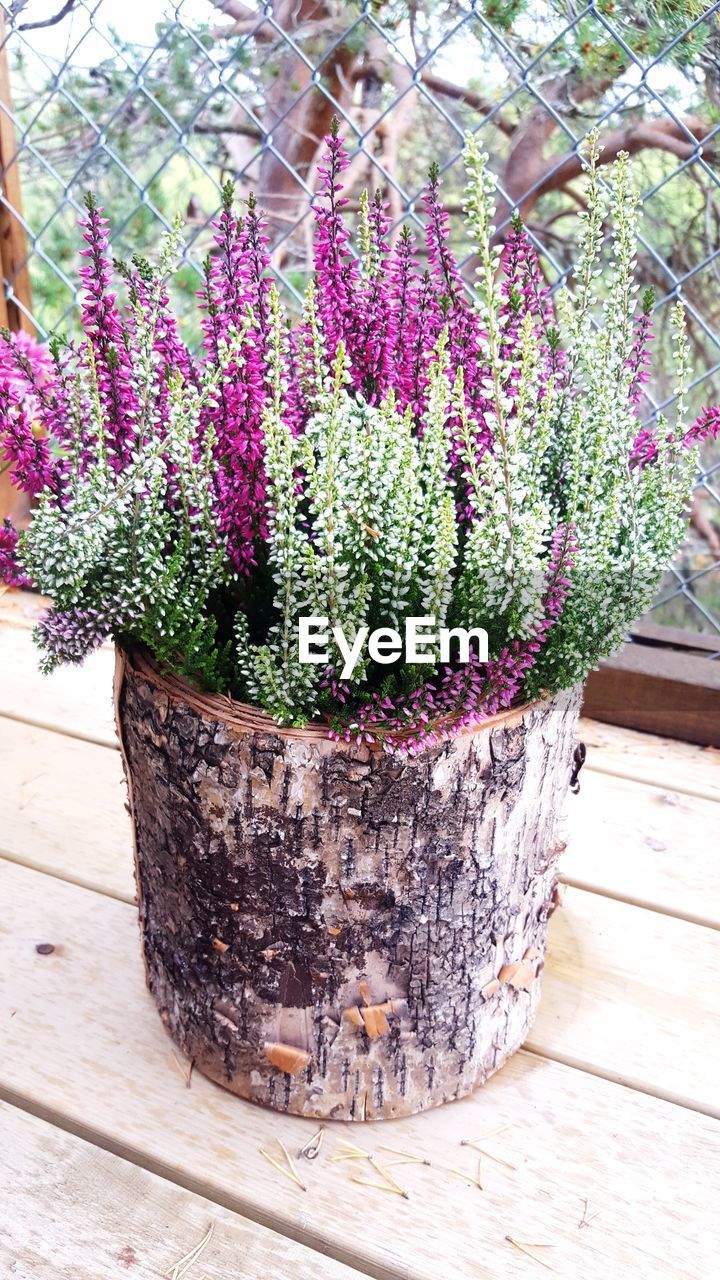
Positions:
{"x": 407, "y": 448}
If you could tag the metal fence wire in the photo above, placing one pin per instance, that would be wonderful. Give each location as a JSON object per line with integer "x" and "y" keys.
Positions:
{"x": 154, "y": 105}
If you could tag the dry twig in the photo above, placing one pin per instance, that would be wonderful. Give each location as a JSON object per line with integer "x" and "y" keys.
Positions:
{"x": 585, "y": 1221}
{"x": 183, "y": 1265}
{"x": 185, "y": 1072}
{"x": 525, "y": 1247}
{"x": 288, "y": 1171}
{"x": 407, "y": 1156}
{"x": 475, "y": 1144}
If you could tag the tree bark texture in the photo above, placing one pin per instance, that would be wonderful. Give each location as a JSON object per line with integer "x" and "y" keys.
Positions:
{"x": 330, "y": 931}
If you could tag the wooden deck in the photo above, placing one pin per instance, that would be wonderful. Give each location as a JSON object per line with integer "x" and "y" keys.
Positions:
{"x": 601, "y": 1135}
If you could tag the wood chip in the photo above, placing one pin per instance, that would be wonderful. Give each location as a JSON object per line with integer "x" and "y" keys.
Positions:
{"x": 519, "y": 975}
{"x": 286, "y": 1057}
{"x": 371, "y": 1018}
{"x": 353, "y": 1014}
{"x": 376, "y": 1024}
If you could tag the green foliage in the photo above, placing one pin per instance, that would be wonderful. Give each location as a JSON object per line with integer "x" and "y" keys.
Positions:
{"x": 140, "y": 548}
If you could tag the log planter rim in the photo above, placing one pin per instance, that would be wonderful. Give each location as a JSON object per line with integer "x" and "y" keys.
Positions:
{"x": 243, "y": 717}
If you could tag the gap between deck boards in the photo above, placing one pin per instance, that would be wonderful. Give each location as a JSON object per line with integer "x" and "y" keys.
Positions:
{"x": 634, "y": 1083}
{"x": 628, "y": 900}
{"x": 105, "y": 1210}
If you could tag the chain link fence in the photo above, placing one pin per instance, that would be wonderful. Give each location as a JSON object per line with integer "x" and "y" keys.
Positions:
{"x": 154, "y": 105}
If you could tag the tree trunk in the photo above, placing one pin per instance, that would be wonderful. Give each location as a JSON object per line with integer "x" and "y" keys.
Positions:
{"x": 299, "y": 111}
{"x": 327, "y": 930}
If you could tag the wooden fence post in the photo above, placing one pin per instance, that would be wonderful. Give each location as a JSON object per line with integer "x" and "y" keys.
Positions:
{"x": 14, "y": 311}
{"x": 13, "y": 242}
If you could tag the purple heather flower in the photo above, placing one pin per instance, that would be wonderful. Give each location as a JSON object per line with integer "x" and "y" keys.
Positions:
{"x": 374, "y": 344}
{"x": 10, "y": 572}
{"x": 23, "y": 447}
{"x": 705, "y": 427}
{"x": 404, "y": 289}
{"x": 462, "y": 697}
{"x": 105, "y": 332}
{"x": 336, "y": 268}
{"x": 25, "y": 364}
{"x": 69, "y": 635}
{"x": 639, "y": 358}
{"x": 236, "y": 290}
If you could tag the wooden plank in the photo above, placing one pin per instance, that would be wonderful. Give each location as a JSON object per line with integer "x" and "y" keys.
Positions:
{"x": 72, "y": 1209}
{"x": 644, "y": 757}
{"x": 83, "y": 1042}
{"x": 21, "y": 608}
{"x": 653, "y": 633}
{"x": 62, "y": 809}
{"x": 73, "y": 700}
{"x": 659, "y": 690}
{"x": 645, "y": 845}
{"x": 632, "y": 995}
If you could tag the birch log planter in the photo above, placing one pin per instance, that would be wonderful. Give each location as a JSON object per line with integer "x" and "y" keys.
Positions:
{"x": 329, "y": 931}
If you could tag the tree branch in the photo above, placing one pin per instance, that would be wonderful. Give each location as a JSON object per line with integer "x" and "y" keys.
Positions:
{"x": 298, "y": 113}
{"x": 244, "y": 20}
{"x": 49, "y": 22}
{"x": 243, "y": 130}
{"x": 663, "y": 135}
{"x": 473, "y": 99}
